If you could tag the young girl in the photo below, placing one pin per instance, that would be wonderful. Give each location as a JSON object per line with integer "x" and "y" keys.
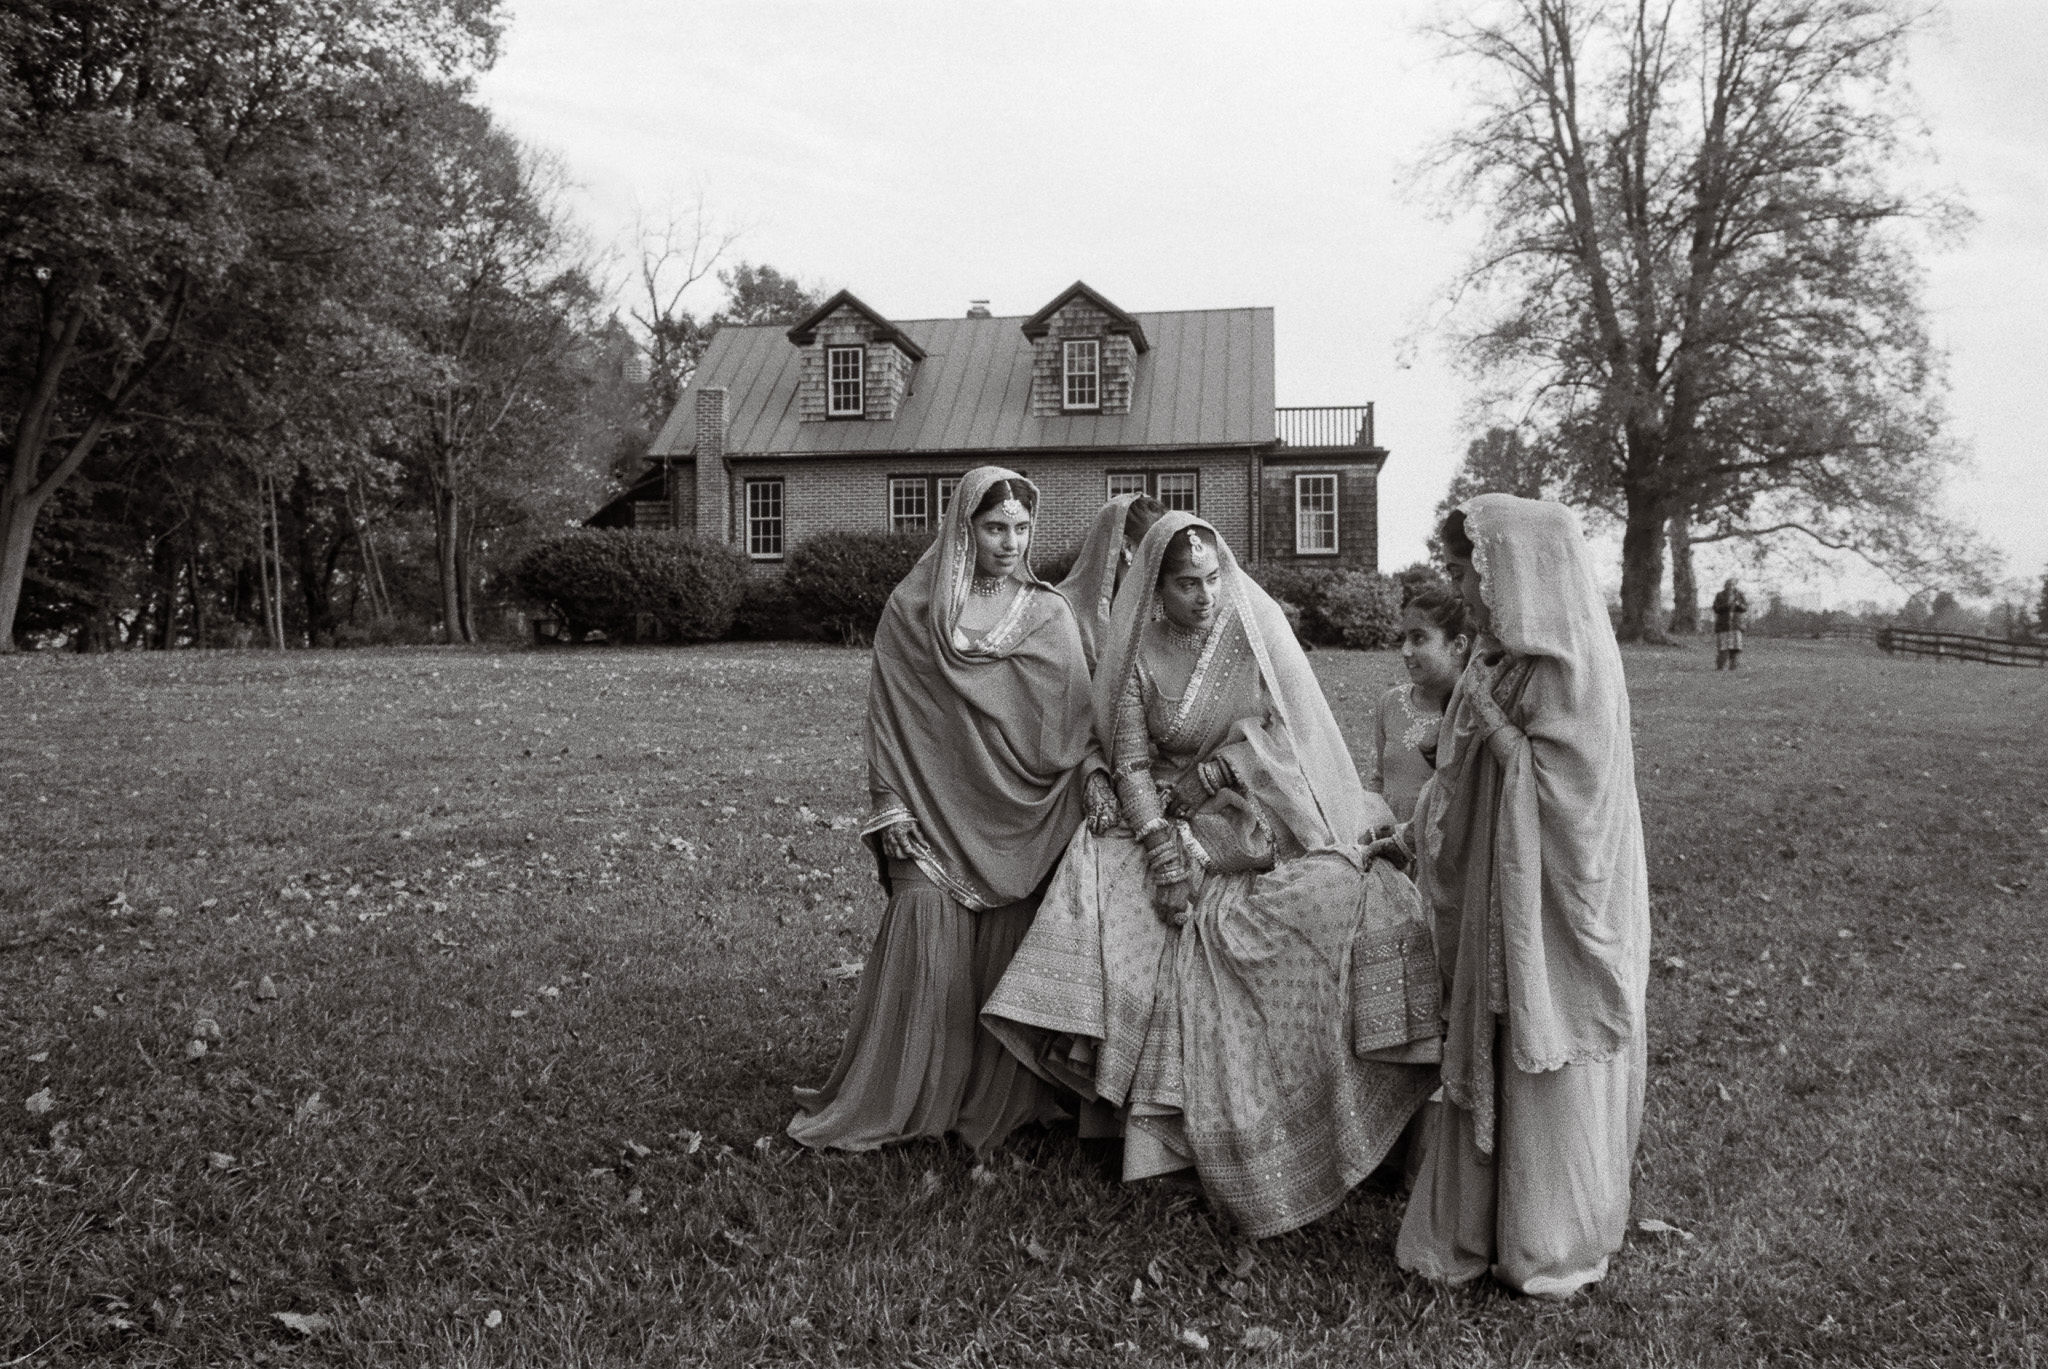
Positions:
{"x": 1436, "y": 641}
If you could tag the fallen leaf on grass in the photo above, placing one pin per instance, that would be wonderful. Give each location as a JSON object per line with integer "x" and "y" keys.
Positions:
{"x": 309, "y": 1108}
{"x": 1244, "y": 1264}
{"x": 207, "y": 1030}
{"x": 39, "y": 1102}
{"x": 1672, "y": 962}
{"x": 1257, "y": 1338}
{"x": 692, "y": 1141}
{"x": 194, "y": 1048}
{"x": 1037, "y": 1251}
{"x": 927, "y": 1186}
{"x": 762, "y": 1144}
{"x": 1722, "y": 1091}
{"x": 1137, "y": 1292}
{"x": 1651, "y": 1226}
{"x": 848, "y": 970}
{"x": 305, "y": 1323}
{"x": 220, "y": 1159}
{"x": 980, "y": 1174}
{"x": 1191, "y": 1339}
{"x": 638, "y": 1151}
{"x": 266, "y": 989}
{"x": 1155, "y": 1273}
{"x": 518, "y": 1012}
{"x": 493, "y": 1319}
{"x": 2001, "y": 888}
{"x": 39, "y": 1057}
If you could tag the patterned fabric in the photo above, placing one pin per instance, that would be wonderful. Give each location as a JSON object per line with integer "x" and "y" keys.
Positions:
{"x": 1240, "y": 1041}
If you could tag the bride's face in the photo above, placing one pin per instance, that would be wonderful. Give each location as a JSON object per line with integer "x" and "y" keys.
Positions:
{"x": 1190, "y": 591}
{"x": 1465, "y": 578}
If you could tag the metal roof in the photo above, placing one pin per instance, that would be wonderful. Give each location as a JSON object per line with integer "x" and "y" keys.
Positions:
{"x": 1207, "y": 381}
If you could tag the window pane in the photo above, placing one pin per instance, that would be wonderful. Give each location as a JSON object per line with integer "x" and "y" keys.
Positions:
{"x": 1129, "y": 483}
{"x": 764, "y": 518}
{"x": 1315, "y": 513}
{"x": 1081, "y": 375}
{"x": 843, "y": 367}
{"x": 947, "y": 484}
{"x": 1177, "y": 490}
{"x": 907, "y": 504}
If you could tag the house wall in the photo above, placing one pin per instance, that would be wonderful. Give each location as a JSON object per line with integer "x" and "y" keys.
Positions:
{"x": 848, "y": 494}
{"x": 1358, "y": 512}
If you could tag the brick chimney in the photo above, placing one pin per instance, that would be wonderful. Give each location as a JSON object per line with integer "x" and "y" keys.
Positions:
{"x": 978, "y": 308}
{"x": 714, "y": 482}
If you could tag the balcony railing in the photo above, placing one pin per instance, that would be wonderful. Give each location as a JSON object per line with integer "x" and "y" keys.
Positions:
{"x": 1342, "y": 425}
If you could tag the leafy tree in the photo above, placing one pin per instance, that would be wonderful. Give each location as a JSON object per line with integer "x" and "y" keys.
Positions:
{"x": 762, "y": 294}
{"x": 141, "y": 148}
{"x": 1699, "y": 277}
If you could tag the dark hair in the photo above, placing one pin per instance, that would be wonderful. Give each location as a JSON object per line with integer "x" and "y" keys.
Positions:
{"x": 1143, "y": 513}
{"x": 1444, "y": 607}
{"x": 1180, "y": 552}
{"x": 1000, "y": 490}
{"x": 1457, "y": 542}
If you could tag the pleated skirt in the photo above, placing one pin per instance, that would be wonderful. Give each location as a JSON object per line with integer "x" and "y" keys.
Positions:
{"x": 917, "y": 1062}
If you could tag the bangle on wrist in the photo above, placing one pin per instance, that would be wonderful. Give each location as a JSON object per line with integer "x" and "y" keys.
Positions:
{"x": 1155, "y": 825}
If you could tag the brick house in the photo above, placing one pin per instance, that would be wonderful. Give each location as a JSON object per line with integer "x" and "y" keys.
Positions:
{"x": 850, "y": 420}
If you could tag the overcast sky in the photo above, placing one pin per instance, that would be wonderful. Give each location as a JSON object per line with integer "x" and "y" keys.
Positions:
{"x": 1185, "y": 156}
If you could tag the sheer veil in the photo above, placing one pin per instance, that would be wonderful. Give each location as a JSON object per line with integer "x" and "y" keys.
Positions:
{"x": 1339, "y": 804}
{"x": 1090, "y": 586}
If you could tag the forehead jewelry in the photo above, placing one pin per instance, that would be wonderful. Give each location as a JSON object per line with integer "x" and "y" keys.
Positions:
{"x": 1011, "y": 507}
{"x": 1198, "y": 550}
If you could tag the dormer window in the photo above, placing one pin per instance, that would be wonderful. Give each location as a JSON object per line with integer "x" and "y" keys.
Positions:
{"x": 1083, "y": 374}
{"x": 845, "y": 387}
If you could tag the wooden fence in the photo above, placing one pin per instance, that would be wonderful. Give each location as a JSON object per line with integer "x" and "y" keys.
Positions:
{"x": 1960, "y": 646}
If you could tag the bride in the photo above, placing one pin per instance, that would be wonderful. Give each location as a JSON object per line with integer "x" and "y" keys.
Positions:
{"x": 1227, "y": 968}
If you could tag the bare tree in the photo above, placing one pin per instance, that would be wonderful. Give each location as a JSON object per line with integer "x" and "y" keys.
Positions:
{"x": 1700, "y": 272}
{"x": 672, "y": 258}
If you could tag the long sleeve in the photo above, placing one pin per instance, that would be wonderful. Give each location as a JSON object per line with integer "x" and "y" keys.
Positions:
{"x": 1132, "y": 762}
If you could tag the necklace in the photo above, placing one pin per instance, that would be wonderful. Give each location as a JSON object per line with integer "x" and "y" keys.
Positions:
{"x": 1187, "y": 639}
{"x": 988, "y": 586}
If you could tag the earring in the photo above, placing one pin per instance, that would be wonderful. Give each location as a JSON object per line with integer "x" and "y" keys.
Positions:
{"x": 1158, "y": 612}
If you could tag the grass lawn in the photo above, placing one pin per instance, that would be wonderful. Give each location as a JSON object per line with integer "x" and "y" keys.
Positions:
{"x": 551, "y": 935}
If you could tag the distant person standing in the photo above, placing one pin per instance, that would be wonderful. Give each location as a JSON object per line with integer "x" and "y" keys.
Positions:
{"x": 1730, "y": 608}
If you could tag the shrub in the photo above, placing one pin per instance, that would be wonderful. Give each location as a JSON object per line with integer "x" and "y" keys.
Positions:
{"x": 1352, "y": 608}
{"x": 602, "y": 578}
{"x": 839, "y": 582}
{"x": 766, "y": 613}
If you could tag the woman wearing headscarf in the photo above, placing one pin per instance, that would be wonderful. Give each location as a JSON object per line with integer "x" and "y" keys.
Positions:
{"x": 978, "y": 717}
{"x": 1225, "y": 966}
{"x": 1531, "y": 851}
{"x": 1106, "y": 553}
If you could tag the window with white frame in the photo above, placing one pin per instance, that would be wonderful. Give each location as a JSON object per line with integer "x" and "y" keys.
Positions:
{"x": 1083, "y": 373}
{"x": 845, "y": 371}
{"x": 947, "y": 484}
{"x": 1176, "y": 489}
{"x": 764, "y": 519}
{"x": 909, "y": 503}
{"x": 1315, "y": 515}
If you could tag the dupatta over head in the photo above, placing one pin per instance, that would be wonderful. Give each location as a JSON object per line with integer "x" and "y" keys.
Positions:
{"x": 977, "y": 740}
{"x": 1536, "y": 847}
{"x": 1315, "y": 790}
{"x": 1090, "y": 587}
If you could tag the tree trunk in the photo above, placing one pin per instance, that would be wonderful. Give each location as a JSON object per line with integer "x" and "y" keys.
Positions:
{"x": 17, "y": 530}
{"x": 1685, "y": 588}
{"x": 465, "y": 579}
{"x": 1642, "y": 570}
{"x": 198, "y": 597}
{"x": 447, "y": 540}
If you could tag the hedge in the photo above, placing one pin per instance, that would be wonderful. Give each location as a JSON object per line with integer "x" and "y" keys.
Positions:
{"x": 603, "y": 578}
{"x": 838, "y": 583}
{"x": 1351, "y": 608}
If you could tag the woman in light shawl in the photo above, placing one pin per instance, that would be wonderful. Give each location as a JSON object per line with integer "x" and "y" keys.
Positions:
{"x": 1531, "y": 852}
{"x": 1106, "y": 553}
{"x": 978, "y": 717}
{"x": 1225, "y": 967}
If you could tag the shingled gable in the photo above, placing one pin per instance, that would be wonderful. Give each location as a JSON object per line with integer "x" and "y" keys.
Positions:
{"x": 1115, "y": 320}
{"x": 806, "y": 332}
{"x": 1084, "y": 355}
{"x": 856, "y": 364}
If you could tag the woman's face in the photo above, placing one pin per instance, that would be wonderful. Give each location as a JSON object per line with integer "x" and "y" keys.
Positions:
{"x": 1466, "y": 580}
{"x": 1434, "y": 661}
{"x": 1190, "y": 591}
{"x": 1000, "y": 541}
